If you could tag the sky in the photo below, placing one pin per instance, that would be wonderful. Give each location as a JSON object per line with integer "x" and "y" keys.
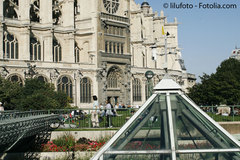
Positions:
{"x": 207, "y": 36}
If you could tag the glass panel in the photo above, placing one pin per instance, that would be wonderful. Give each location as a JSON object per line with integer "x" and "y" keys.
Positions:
{"x": 207, "y": 156}
{"x": 149, "y": 131}
{"x": 137, "y": 157}
{"x": 195, "y": 131}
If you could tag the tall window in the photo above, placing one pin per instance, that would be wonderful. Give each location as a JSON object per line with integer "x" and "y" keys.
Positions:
{"x": 106, "y": 46}
{"x": 35, "y": 49}
{"x": 77, "y": 53}
{"x": 16, "y": 79}
{"x": 137, "y": 90}
{"x": 110, "y": 47}
{"x": 10, "y": 46}
{"x": 35, "y": 11}
{"x": 57, "y": 51}
{"x": 143, "y": 59}
{"x": 112, "y": 80}
{"x": 122, "y": 48}
{"x": 118, "y": 48}
{"x": 56, "y": 12}
{"x": 10, "y": 7}
{"x": 65, "y": 85}
{"x": 85, "y": 90}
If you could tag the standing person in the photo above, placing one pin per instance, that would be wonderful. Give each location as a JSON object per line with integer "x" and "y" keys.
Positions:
{"x": 94, "y": 117}
{"x": 1, "y": 107}
{"x": 109, "y": 113}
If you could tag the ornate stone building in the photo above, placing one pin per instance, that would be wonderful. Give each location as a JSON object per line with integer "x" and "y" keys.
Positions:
{"x": 87, "y": 47}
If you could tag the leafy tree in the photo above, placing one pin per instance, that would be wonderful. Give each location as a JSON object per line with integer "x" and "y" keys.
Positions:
{"x": 222, "y": 87}
{"x": 9, "y": 93}
{"x": 34, "y": 95}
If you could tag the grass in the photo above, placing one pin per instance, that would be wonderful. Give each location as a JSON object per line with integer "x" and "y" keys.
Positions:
{"x": 220, "y": 118}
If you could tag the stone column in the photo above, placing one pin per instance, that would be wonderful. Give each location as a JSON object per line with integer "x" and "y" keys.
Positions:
{"x": 48, "y": 46}
{"x": 1, "y": 10}
{"x": 24, "y": 9}
{"x": 68, "y": 49}
{"x": 24, "y": 42}
{"x": 46, "y": 12}
{"x": 1, "y": 43}
{"x": 76, "y": 88}
{"x": 68, "y": 14}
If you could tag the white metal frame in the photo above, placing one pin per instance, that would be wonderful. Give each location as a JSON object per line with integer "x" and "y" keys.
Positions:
{"x": 173, "y": 151}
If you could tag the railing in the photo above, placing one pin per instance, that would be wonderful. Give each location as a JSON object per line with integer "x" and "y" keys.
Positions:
{"x": 114, "y": 17}
{"x": 82, "y": 118}
{"x": 223, "y": 113}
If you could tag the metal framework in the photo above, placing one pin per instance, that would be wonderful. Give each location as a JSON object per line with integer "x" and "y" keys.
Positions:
{"x": 179, "y": 127}
{"x": 15, "y": 126}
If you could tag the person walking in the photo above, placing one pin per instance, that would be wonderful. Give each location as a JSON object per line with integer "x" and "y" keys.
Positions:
{"x": 94, "y": 116}
{"x": 109, "y": 113}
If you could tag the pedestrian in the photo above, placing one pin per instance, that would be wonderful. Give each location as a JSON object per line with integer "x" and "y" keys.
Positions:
{"x": 102, "y": 112}
{"x": 109, "y": 113}
{"x": 94, "y": 116}
{"x": 1, "y": 107}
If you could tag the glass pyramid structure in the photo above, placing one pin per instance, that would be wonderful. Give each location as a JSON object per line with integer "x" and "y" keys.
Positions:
{"x": 170, "y": 126}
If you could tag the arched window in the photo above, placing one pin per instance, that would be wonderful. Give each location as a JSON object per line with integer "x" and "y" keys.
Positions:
{"x": 16, "y": 79}
{"x": 35, "y": 49}
{"x": 35, "y": 11}
{"x": 64, "y": 84}
{"x": 85, "y": 90}
{"x": 10, "y": 46}
{"x": 57, "y": 51}
{"x": 137, "y": 90}
{"x": 10, "y": 7}
{"x": 42, "y": 78}
{"x": 114, "y": 77}
{"x": 77, "y": 53}
{"x": 112, "y": 80}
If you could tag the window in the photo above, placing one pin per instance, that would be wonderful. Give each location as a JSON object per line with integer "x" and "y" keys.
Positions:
{"x": 77, "y": 53}
{"x": 65, "y": 85}
{"x": 110, "y": 47}
{"x": 137, "y": 90}
{"x": 42, "y": 78}
{"x": 35, "y": 49}
{"x": 143, "y": 59}
{"x": 10, "y": 7}
{"x": 106, "y": 46}
{"x": 114, "y": 47}
{"x": 10, "y": 46}
{"x": 16, "y": 79}
{"x": 56, "y": 12}
{"x": 35, "y": 11}
{"x": 122, "y": 48}
{"x": 85, "y": 90}
{"x": 57, "y": 51}
{"x": 111, "y": 5}
{"x": 118, "y": 48}
{"x": 112, "y": 80}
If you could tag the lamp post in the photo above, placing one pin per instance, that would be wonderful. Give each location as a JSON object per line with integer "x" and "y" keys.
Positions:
{"x": 149, "y": 75}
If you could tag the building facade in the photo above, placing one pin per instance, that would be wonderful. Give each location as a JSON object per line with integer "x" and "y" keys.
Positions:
{"x": 86, "y": 48}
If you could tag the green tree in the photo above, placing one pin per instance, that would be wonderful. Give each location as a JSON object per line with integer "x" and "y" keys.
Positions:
{"x": 222, "y": 87}
{"x": 10, "y": 93}
{"x": 34, "y": 95}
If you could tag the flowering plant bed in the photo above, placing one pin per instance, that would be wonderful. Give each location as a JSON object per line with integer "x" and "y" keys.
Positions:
{"x": 68, "y": 143}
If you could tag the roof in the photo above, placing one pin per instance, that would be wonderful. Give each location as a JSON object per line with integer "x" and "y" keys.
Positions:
{"x": 167, "y": 84}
